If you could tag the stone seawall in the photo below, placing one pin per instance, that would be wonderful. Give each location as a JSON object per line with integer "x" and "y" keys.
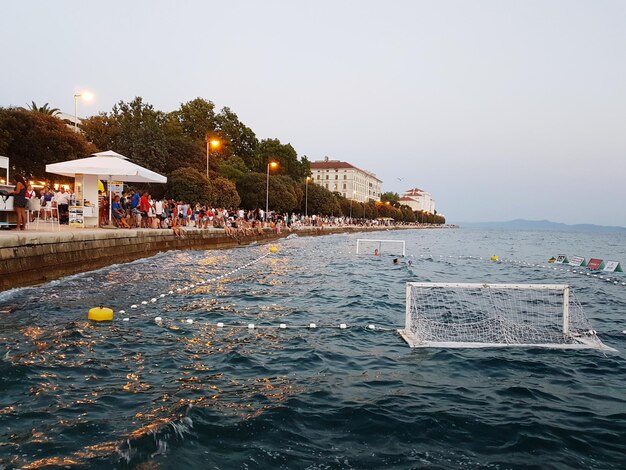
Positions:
{"x": 28, "y": 258}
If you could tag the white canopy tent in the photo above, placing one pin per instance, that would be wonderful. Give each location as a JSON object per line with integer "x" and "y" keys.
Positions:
{"x": 108, "y": 166}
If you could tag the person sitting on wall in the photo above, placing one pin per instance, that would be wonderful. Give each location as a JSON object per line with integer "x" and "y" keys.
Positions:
{"x": 119, "y": 216}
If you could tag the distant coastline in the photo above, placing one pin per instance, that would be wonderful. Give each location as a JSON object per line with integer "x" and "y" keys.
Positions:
{"x": 543, "y": 225}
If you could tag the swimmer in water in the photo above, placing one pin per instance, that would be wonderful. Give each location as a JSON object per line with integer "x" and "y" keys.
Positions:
{"x": 376, "y": 252}
{"x": 395, "y": 261}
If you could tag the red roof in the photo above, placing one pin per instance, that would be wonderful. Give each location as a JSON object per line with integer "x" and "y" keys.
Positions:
{"x": 414, "y": 192}
{"x": 406, "y": 199}
{"x": 328, "y": 165}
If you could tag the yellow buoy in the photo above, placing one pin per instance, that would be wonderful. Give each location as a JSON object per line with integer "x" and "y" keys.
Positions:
{"x": 274, "y": 249}
{"x": 494, "y": 258}
{"x": 100, "y": 314}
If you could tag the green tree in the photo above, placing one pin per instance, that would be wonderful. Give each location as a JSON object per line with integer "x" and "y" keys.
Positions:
{"x": 233, "y": 169}
{"x": 189, "y": 185}
{"x": 393, "y": 198}
{"x": 251, "y": 188}
{"x": 45, "y": 109}
{"x": 322, "y": 201}
{"x": 32, "y": 140}
{"x": 407, "y": 214}
{"x": 225, "y": 193}
{"x": 197, "y": 119}
{"x": 239, "y": 139}
{"x": 148, "y": 137}
{"x": 285, "y": 155}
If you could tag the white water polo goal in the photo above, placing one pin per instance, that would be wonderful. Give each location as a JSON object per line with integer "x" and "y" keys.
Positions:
{"x": 453, "y": 315}
{"x": 370, "y": 246}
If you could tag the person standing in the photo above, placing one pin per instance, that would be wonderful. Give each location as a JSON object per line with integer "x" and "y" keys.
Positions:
{"x": 144, "y": 208}
{"x": 19, "y": 201}
{"x": 63, "y": 204}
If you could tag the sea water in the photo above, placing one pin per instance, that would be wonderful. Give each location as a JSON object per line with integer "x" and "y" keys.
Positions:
{"x": 183, "y": 393}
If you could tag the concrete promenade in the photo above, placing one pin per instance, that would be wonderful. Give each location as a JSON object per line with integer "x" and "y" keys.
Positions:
{"x": 36, "y": 256}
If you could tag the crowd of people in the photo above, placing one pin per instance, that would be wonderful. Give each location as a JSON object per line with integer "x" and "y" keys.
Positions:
{"x": 133, "y": 209}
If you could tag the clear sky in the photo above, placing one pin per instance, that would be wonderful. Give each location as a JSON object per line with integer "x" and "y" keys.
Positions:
{"x": 500, "y": 109}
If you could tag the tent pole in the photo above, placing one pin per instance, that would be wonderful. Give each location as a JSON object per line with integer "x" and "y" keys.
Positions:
{"x": 109, "y": 185}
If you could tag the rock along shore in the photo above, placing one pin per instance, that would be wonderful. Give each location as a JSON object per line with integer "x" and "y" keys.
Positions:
{"x": 28, "y": 258}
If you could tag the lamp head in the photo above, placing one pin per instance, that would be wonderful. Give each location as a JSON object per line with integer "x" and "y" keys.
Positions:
{"x": 273, "y": 164}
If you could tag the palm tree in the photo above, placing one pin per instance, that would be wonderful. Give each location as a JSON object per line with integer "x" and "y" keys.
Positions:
{"x": 45, "y": 109}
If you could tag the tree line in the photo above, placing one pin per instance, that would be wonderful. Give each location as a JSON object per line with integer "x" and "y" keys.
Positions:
{"x": 174, "y": 144}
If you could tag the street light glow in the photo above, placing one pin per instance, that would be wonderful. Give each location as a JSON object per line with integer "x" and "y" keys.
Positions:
{"x": 215, "y": 143}
{"x": 273, "y": 164}
{"x": 87, "y": 95}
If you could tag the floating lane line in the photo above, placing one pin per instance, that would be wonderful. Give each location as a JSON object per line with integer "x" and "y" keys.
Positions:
{"x": 186, "y": 288}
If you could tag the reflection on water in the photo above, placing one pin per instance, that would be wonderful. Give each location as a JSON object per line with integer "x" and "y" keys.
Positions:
{"x": 174, "y": 393}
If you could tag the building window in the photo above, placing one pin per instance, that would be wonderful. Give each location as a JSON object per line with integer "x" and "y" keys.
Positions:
{"x": 344, "y": 185}
{"x": 336, "y": 177}
{"x": 326, "y": 176}
{"x": 345, "y": 177}
{"x": 318, "y": 176}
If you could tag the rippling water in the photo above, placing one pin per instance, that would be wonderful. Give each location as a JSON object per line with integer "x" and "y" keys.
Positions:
{"x": 172, "y": 394}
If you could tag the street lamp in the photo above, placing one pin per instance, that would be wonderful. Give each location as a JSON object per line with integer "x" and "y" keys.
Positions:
{"x": 87, "y": 96}
{"x": 353, "y": 195}
{"x": 215, "y": 143}
{"x": 306, "y": 196}
{"x": 267, "y": 187}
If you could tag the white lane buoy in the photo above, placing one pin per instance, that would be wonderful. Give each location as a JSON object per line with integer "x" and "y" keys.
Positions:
{"x": 312, "y": 325}
{"x": 162, "y": 295}
{"x": 371, "y": 327}
{"x": 189, "y": 320}
{"x": 122, "y": 312}
{"x": 133, "y": 306}
{"x": 220, "y": 325}
{"x": 251, "y": 326}
{"x": 343, "y": 326}
{"x": 144, "y": 302}
{"x": 171, "y": 292}
{"x": 282, "y": 326}
{"x": 125, "y": 319}
{"x": 153, "y": 300}
{"x": 624, "y": 332}
{"x": 158, "y": 319}
{"x": 179, "y": 290}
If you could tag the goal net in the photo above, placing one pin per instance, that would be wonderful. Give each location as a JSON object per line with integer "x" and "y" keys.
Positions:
{"x": 369, "y": 246}
{"x": 495, "y": 315}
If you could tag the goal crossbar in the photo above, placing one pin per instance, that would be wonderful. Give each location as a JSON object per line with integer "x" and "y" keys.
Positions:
{"x": 378, "y": 243}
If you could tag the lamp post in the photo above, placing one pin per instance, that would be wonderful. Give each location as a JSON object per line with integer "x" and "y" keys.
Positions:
{"x": 215, "y": 143}
{"x": 353, "y": 194}
{"x": 267, "y": 186}
{"x": 306, "y": 196}
{"x": 87, "y": 96}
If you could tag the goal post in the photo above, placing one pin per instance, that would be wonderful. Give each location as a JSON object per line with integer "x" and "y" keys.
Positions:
{"x": 383, "y": 247}
{"x": 474, "y": 315}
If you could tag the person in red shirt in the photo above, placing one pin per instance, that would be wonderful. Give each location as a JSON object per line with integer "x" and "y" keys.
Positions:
{"x": 144, "y": 207}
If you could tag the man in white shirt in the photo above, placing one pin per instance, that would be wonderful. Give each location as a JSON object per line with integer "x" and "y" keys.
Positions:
{"x": 63, "y": 204}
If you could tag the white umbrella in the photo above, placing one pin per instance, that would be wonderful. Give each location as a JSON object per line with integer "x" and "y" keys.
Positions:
{"x": 109, "y": 166}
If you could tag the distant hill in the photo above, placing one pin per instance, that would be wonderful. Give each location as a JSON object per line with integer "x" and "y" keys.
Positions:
{"x": 540, "y": 225}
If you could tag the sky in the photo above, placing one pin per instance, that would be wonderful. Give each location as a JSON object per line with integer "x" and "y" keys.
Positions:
{"x": 500, "y": 109}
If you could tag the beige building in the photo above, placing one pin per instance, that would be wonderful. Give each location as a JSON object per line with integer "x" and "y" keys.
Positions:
{"x": 418, "y": 200}
{"x": 346, "y": 179}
